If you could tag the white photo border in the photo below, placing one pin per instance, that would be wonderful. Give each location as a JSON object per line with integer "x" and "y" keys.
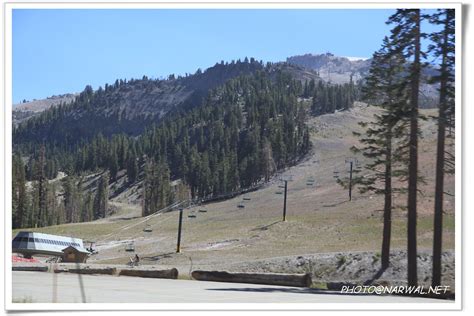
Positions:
{"x": 7, "y": 118}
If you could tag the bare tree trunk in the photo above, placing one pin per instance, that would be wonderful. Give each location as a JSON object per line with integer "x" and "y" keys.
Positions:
{"x": 413, "y": 165}
{"x": 387, "y": 213}
{"x": 439, "y": 189}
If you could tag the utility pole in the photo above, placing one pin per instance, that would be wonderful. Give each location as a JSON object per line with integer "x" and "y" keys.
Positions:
{"x": 350, "y": 161}
{"x": 350, "y": 183}
{"x": 284, "y": 203}
{"x": 178, "y": 247}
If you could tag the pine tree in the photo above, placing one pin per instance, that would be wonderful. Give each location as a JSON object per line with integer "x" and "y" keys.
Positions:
{"x": 32, "y": 216}
{"x": 42, "y": 188}
{"x": 443, "y": 46}
{"x": 101, "y": 201}
{"x": 268, "y": 166}
{"x": 72, "y": 199}
{"x": 384, "y": 88}
{"x": 87, "y": 208}
{"x": 406, "y": 36}
{"x": 132, "y": 167}
{"x": 165, "y": 194}
{"x": 20, "y": 198}
{"x": 113, "y": 164}
{"x": 156, "y": 187}
{"x": 52, "y": 204}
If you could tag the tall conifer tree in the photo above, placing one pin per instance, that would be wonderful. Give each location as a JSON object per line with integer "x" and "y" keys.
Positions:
{"x": 443, "y": 47}
{"x": 406, "y": 36}
{"x": 42, "y": 187}
{"x": 384, "y": 89}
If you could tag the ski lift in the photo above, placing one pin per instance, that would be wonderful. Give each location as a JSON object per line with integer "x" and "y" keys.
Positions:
{"x": 351, "y": 160}
{"x": 130, "y": 246}
{"x": 91, "y": 249}
{"x": 147, "y": 228}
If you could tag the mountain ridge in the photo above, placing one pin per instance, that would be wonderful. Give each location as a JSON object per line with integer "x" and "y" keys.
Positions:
{"x": 332, "y": 68}
{"x": 130, "y": 106}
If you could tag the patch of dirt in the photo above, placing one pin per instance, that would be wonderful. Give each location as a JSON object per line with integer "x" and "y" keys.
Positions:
{"x": 217, "y": 244}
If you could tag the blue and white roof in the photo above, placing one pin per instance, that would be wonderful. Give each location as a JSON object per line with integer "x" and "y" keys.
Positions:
{"x": 39, "y": 243}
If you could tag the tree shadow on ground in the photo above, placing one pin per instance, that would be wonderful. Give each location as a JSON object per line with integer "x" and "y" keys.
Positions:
{"x": 118, "y": 219}
{"x": 336, "y": 204}
{"x": 377, "y": 275}
{"x": 159, "y": 257}
{"x": 264, "y": 227}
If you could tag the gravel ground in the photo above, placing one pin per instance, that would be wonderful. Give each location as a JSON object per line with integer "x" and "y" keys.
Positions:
{"x": 355, "y": 267}
{"x": 336, "y": 267}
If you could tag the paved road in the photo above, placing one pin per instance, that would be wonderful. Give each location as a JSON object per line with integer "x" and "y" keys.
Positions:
{"x": 38, "y": 287}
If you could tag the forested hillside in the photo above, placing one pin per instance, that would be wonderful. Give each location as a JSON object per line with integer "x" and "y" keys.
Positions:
{"x": 125, "y": 106}
{"x": 236, "y": 136}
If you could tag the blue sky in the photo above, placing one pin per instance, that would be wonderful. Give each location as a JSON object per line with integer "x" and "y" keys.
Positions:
{"x": 61, "y": 51}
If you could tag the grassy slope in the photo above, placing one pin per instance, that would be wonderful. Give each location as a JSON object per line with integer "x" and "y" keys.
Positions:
{"x": 320, "y": 217}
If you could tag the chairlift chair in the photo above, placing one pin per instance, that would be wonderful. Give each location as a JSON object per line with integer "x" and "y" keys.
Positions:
{"x": 130, "y": 246}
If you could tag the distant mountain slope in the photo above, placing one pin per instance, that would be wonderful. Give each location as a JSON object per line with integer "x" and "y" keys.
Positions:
{"x": 27, "y": 109}
{"x": 43, "y": 104}
{"x": 339, "y": 70}
{"x": 332, "y": 68}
